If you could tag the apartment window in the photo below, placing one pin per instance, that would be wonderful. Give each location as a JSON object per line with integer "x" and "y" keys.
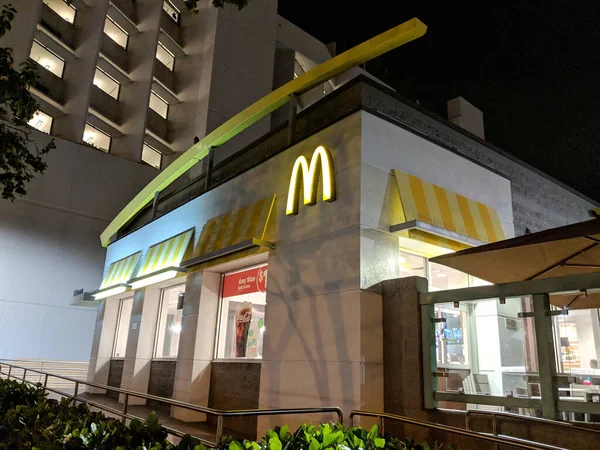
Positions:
{"x": 64, "y": 10}
{"x": 242, "y": 317}
{"x": 165, "y": 56}
{"x": 169, "y": 322}
{"x": 93, "y": 136}
{"x": 47, "y": 59}
{"x": 115, "y": 32}
{"x": 41, "y": 122}
{"x": 107, "y": 83}
{"x": 158, "y": 105}
{"x": 171, "y": 11}
{"x": 151, "y": 156}
{"x": 123, "y": 319}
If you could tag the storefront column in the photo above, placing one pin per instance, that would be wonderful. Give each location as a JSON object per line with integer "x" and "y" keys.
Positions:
{"x": 102, "y": 344}
{"x": 196, "y": 343}
{"x": 140, "y": 343}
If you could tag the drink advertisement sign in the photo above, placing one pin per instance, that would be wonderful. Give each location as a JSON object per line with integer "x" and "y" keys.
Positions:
{"x": 246, "y": 282}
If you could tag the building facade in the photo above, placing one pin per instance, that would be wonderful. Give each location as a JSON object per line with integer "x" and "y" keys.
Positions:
{"x": 263, "y": 287}
{"x": 124, "y": 86}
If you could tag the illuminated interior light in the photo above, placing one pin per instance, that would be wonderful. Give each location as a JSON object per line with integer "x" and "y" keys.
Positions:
{"x": 109, "y": 292}
{"x": 176, "y": 328}
{"x": 309, "y": 180}
{"x": 153, "y": 279}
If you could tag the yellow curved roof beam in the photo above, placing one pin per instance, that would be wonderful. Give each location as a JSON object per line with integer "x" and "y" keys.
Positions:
{"x": 400, "y": 35}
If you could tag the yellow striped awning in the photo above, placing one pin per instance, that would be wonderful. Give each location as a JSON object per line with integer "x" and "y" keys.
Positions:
{"x": 119, "y": 272}
{"x": 243, "y": 227}
{"x": 166, "y": 254}
{"x": 431, "y": 204}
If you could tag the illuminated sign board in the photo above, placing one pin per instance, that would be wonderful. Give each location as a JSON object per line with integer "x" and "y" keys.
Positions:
{"x": 310, "y": 180}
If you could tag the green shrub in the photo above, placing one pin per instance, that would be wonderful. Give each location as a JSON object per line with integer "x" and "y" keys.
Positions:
{"x": 29, "y": 420}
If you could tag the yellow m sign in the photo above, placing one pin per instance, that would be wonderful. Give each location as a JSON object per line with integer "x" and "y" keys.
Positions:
{"x": 310, "y": 180}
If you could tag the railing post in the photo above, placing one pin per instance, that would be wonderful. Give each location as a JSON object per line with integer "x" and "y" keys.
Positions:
{"x": 208, "y": 173}
{"x": 75, "y": 392}
{"x": 45, "y": 381}
{"x": 544, "y": 341}
{"x": 125, "y": 406}
{"x": 495, "y": 429}
{"x": 219, "y": 430}
{"x": 429, "y": 357}
{"x": 291, "y": 136}
{"x": 24, "y": 375}
{"x": 381, "y": 429}
{"x": 9, "y": 370}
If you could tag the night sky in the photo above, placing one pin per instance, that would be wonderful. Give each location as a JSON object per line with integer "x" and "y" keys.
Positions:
{"x": 533, "y": 68}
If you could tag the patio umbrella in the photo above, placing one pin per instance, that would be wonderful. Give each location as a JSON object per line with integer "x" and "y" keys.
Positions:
{"x": 569, "y": 250}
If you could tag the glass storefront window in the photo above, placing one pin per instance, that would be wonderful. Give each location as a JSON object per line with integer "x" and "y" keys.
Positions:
{"x": 483, "y": 347}
{"x": 412, "y": 265}
{"x": 242, "y": 316}
{"x": 47, "y": 59}
{"x": 41, "y": 122}
{"x": 169, "y": 322}
{"x": 165, "y": 56}
{"x": 116, "y": 33}
{"x": 577, "y": 339}
{"x": 442, "y": 278}
{"x": 124, "y": 317}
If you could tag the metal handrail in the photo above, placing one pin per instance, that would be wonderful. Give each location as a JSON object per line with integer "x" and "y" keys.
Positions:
{"x": 495, "y": 414}
{"x": 513, "y": 442}
{"x": 220, "y": 414}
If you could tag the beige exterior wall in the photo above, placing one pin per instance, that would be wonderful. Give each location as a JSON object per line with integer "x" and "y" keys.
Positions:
{"x": 324, "y": 339}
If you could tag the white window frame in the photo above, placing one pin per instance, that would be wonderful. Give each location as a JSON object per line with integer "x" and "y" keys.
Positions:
{"x": 120, "y": 28}
{"x": 113, "y": 79}
{"x": 145, "y": 144}
{"x": 62, "y": 71}
{"x": 101, "y": 132}
{"x": 167, "y": 51}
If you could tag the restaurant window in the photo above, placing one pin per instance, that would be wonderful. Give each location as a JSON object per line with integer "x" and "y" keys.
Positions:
{"x": 169, "y": 322}
{"x": 443, "y": 278}
{"x": 158, "y": 105}
{"x": 93, "y": 136}
{"x": 578, "y": 344}
{"x": 115, "y": 32}
{"x": 165, "y": 56}
{"x": 47, "y": 59}
{"x": 41, "y": 122}
{"x": 171, "y": 11}
{"x": 64, "y": 10}
{"x": 151, "y": 156}
{"x": 412, "y": 265}
{"x": 123, "y": 320}
{"x": 452, "y": 335}
{"x": 107, "y": 83}
{"x": 242, "y": 314}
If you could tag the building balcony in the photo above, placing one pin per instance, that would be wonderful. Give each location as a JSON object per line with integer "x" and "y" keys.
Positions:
{"x": 171, "y": 28}
{"x": 157, "y": 125}
{"x": 165, "y": 76}
{"x": 51, "y": 85}
{"x": 57, "y": 26}
{"x": 127, "y": 8}
{"x": 115, "y": 53}
{"x": 106, "y": 105}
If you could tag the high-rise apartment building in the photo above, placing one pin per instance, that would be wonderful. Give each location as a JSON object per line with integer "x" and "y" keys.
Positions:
{"x": 124, "y": 86}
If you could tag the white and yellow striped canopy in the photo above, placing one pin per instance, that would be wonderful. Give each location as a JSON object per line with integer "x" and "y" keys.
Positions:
{"x": 167, "y": 253}
{"x": 440, "y": 207}
{"x": 120, "y": 271}
{"x": 242, "y": 224}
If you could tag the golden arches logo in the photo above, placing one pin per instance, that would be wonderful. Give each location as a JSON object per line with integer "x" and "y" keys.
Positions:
{"x": 310, "y": 180}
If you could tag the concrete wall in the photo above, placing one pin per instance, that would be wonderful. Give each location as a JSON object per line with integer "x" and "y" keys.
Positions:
{"x": 49, "y": 247}
{"x": 539, "y": 202}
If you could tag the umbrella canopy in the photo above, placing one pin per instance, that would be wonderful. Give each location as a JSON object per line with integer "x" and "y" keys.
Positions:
{"x": 570, "y": 250}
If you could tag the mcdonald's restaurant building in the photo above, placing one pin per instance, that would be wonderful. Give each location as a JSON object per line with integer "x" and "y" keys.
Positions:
{"x": 265, "y": 289}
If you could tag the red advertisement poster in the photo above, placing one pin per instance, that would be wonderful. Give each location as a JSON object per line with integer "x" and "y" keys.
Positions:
{"x": 246, "y": 282}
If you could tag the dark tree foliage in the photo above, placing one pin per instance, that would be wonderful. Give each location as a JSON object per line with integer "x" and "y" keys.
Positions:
{"x": 20, "y": 157}
{"x": 192, "y": 5}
